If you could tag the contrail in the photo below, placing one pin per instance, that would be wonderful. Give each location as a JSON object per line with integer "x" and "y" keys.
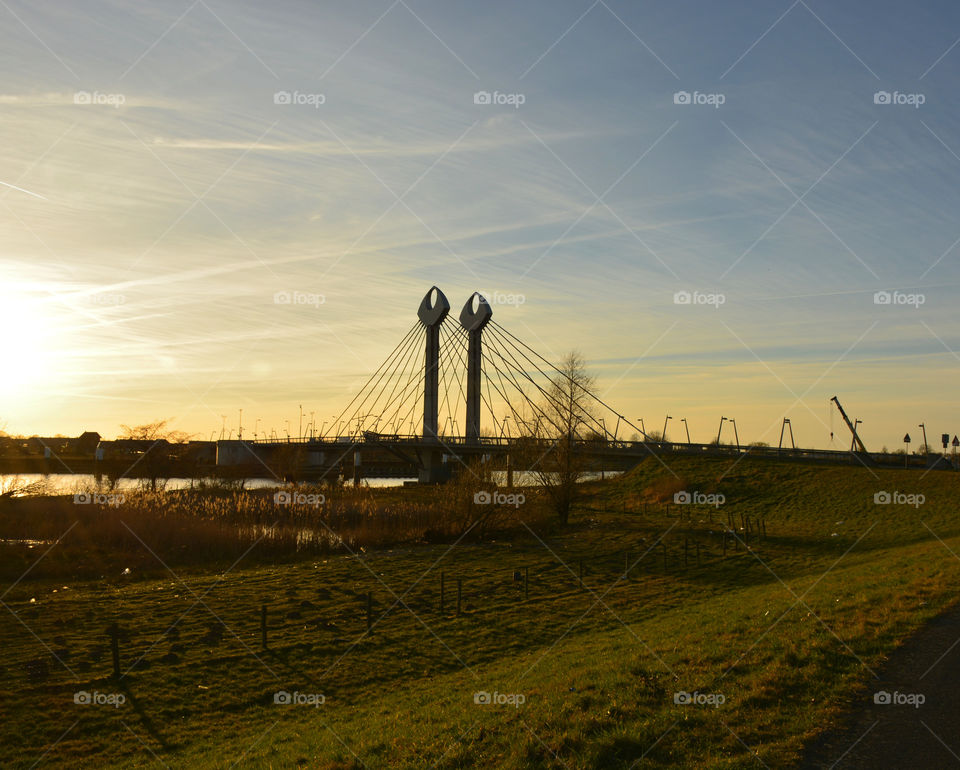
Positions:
{"x": 14, "y": 187}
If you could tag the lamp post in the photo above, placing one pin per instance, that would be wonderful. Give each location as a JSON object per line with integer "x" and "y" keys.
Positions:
{"x": 663, "y": 436}
{"x": 643, "y": 428}
{"x": 686, "y": 427}
{"x": 735, "y": 435}
{"x": 926, "y": 449}
{"x": 720, "y": 430}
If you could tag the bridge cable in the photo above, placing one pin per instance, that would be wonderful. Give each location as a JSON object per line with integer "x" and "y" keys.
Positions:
{"x": 412, "y": 332}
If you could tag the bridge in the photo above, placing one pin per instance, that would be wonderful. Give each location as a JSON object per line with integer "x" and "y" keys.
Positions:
{"x": 458, "y": 391}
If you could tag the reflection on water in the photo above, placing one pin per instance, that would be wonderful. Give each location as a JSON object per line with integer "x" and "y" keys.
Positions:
{"x": 69, "y": 483}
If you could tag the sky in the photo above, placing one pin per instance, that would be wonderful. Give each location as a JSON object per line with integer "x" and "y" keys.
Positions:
{"x": 172, "y": 171}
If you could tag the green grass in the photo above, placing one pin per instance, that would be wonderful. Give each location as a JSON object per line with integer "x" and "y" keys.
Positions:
{"x": 788, "y": 632}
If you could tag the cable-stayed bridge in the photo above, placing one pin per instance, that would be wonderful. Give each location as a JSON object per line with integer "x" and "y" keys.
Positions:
{"x": 457, "y": 389}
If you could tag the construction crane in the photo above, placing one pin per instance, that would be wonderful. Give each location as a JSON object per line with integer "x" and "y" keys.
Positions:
{"x": 856, "y": 439}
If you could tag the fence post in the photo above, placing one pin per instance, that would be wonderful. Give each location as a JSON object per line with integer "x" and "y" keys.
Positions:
{"x": 114, "y": 632}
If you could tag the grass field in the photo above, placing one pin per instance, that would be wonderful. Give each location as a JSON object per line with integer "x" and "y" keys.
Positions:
{"x": 776, "y": 640}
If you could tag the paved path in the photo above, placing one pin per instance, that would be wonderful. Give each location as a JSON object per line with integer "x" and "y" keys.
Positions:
{"x": 903, "y": 735}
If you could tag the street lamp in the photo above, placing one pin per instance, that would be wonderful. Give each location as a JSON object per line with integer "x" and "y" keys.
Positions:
{"x": 735, "y": 436}
{"x": 686, "y": 427}
{"x": 720, "y": 430}
{"x": 663, "y": 436}
{"x": 924, "y": 428}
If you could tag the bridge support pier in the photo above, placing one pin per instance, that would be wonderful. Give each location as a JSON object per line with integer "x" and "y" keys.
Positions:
{"x": 473, "y": 319}
{"x": 433, "y": 310}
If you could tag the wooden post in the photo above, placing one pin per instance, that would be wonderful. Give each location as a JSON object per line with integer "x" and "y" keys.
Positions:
{"x": 459, "y": 593}
{"x": 526, "y": 583}
{"x": 114, "y": 631}
{"x": 442, "y": 580}
{"x": 263, "y": 625}
{"x": 369, "y": 611}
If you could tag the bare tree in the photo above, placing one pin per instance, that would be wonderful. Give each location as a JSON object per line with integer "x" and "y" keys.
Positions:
{"x": 565, "y": 422}
{"x": 158, "y": 457}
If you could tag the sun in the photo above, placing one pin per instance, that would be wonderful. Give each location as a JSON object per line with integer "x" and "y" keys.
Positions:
{"x": 28, "y": 334}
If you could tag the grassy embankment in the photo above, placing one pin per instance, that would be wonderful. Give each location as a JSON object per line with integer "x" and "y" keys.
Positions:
{"x": 788, "y": 633}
